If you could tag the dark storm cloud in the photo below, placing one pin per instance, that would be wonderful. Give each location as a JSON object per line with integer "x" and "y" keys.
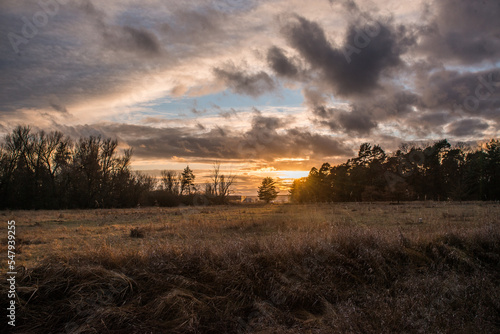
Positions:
{"x": 394, "y": 105}
{"x": 317, "y": 145}
{"x": 124, "y": 38}
{"x": 363, "y": 116}
{"x": 468, "y": 127}
{"x": 313, "y": 98}
{"x": 357, "y": 121}
{"x": 267, "y": 139}
{"x": 194, "y": 25}
{"x": 192, "y": 22}
{"x": 107, "y": 60}
{"x": 69, "y": 57}
{"x": 241, "y": 82}
{"x": 345, "y": 71}
{"x": 309, "y": 39}
{"x": 400, "y": 103}
{"x": 140, "y": 39}
{"x": 262, "y": 123}
{"x": 433, "y": 119}
{"x": 382, "y": 52}
{"x": 270, "y": 138}
{"x": 263, "y": 138}
{"x": 280, "y": 63}
{"x": 438, "y": 95}
{"x": 463, "y": 30}
{"x": 59, "y": 107}
{"x": 349, "y": 5}
{"x": 470, "y": 92}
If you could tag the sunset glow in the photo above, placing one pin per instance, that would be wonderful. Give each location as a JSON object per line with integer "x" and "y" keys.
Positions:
{"x": 292, "y": 174}
{"x": 266, "y": 88}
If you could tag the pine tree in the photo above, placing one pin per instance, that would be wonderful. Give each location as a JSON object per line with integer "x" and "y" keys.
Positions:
{"x": 187, "y": 181}
{"x": 267, "y": 191}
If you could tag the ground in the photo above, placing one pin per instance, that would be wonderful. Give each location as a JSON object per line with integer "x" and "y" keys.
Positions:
{"x": 343, "y": 267}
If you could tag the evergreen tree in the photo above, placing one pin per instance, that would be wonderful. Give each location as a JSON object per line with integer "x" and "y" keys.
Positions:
{"x": 187, "y": 181}
{"x": 267, "y": 190}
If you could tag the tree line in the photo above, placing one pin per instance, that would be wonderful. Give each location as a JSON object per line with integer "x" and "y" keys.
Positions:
{"x": 436, "y": 171}
{"x": 40, "y": 170}
{"x": 180, "y": 189}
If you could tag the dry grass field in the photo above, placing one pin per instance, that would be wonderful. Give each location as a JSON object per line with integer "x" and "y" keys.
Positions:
{"x": 325, "y": 268}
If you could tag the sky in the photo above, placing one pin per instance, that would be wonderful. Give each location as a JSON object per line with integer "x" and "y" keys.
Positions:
{"x": 266, "y": 88}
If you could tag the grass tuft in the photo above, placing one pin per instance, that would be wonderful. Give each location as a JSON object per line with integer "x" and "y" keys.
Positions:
{"x": 137, "y": 232}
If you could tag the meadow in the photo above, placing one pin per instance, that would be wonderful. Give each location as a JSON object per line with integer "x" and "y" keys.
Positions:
{"x": 415, "y": 267}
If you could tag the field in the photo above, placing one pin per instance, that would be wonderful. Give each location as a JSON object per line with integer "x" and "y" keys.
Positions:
{"x": 325, "y": 268}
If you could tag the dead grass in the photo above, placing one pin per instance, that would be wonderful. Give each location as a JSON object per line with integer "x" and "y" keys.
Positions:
{"x": 339, "y": 268}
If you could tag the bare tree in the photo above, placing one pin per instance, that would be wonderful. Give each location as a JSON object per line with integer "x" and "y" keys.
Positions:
{"x": 220, "y": 186}
{"x": 171, "y": 181}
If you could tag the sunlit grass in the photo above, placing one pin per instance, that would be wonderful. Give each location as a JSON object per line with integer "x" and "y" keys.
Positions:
{"x": 345, "y": 267}
{"x": 42, "y": 234}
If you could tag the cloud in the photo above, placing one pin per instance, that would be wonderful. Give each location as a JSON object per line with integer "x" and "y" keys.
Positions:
{"x": 470, "y": 93}
{"x": 136, "y": 38}
{"x": 362, "y": 116}
{"x": 59, "y": 107}
{"x": 313, "y": 98}
{"x": 464, "y": 31}
{"x": 227, "y": 114}
{"x": 468, "y": 127}
{"x": 267, "y": 139}
{"x": 410, "y": 72}
{"x": 72, "y": 58}
{"x": 103, "y": 57}
{"x": 198, "y": 111}
{"x": 355, "y": 121}
{"x": 433, "y": 119}
{"x": 125, "y": 38}
{"x": 242, "y": 82}
{"x": 344, "y": 72}
{"x": 394, "y": 106}
{"x": 281, "y": 64}
{"x": 194, "y": 25}
{"x": 349, "y": 5}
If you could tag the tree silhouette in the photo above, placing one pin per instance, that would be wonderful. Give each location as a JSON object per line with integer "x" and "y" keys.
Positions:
{"x": 220, "y": 186}
{"x": 267, "y": 190}
{"x": 171, "y": 182}
{"x": 49, "y": 171}
{"x": 436, "y": 171}
{"x": 40, "y": 170}
{"x": 187, "y": 181}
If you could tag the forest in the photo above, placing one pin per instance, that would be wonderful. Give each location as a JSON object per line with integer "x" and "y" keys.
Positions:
{"x": 41, "y": 170}
{"x": 436, "y": 171}
{"x": 50, "y": 171}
